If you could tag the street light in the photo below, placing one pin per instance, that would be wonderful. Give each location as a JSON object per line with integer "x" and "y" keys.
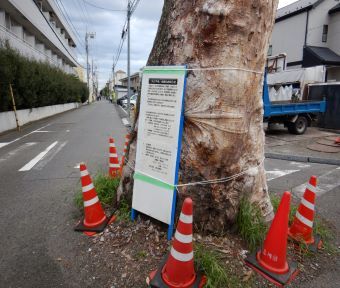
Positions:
{"x": 87, "y": 35}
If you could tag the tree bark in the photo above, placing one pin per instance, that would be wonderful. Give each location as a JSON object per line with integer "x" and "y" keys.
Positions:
{"x": 223, "y": 130}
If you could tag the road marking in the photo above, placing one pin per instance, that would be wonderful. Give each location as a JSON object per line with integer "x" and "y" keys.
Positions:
{"x": 36, "y": 159}
{"x": 4, "y": 144}
{"x": 273, "y": 174}
{"x": 17, "y": 150}
{"x": 67, "y": 130}
{"x": 300, "y": 165}
{"x": 123, "y": 109}
{"x": 326, "y": 182}
{"x": 125, "y": 122}
{"x": 17, "y": 139}
{"x": 43, "y": 131}
{"x": 50, "y": 156}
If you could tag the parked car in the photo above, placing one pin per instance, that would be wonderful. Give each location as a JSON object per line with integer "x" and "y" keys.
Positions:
{"x": 121, "y": 100}
{"x": 133, "y": 101}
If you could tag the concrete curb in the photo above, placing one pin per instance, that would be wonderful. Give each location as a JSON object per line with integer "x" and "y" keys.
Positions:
{"x": 299, "y": 158}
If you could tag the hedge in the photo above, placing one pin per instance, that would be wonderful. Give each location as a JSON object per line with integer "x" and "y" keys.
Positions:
{"x": 35, "y": 84}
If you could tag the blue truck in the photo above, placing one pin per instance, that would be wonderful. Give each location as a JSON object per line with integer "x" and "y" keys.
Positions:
{"x": 296, "y": 116}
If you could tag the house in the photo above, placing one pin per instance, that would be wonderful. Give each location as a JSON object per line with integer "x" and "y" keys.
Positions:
{"x": 38, "y": 30}
{"x": 134, "y": 81}
{"x": 307, "y": 33}
{"x": 118, "y": 76}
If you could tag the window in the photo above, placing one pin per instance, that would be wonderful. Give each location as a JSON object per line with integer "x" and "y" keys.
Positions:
{"x": 270, "y": 50}
{"x": 8, "y": 21}
{"x": 324, "y": 33}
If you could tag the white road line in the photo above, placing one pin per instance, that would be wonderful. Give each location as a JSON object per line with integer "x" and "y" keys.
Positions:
{"x": 271, "y": 175}
{"x": 40, "y": 156}
{"x": 125, "y": 121}
{"x": 43, "y": 131}
{"x": 17, "y": 139}
{"x": 50, "y": 156}
{"x": 326, "y": 182}
{"x": 4, "y": 144}
{"x": 123, "y": 109}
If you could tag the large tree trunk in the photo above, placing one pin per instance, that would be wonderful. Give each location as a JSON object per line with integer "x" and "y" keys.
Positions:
{"x": 223, "y": 132}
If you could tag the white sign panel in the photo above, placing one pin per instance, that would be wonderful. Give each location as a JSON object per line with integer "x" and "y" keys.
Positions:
{"x": 158, "y": 141}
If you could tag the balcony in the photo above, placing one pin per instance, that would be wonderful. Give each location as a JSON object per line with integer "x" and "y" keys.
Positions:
{"x": 32, "y": 50}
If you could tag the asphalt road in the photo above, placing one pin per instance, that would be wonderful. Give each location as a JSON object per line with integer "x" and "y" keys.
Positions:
{"x": 38, "y": 245}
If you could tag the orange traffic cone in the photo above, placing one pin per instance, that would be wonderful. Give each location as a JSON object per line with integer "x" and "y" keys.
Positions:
{"x": 95, "y": 219}
{"x": 178, "y": 269}
{"x": 271, "y": 260}
{"x": 302, "y": 227}
{"x": 114, "y": 167}
{"x": 127, "y": 140}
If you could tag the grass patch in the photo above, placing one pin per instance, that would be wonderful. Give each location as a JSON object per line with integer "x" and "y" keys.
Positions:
{"x": 250, "y": 224}
{"x": 327, "y": 236}
{"x": 141, "y": 254}
{"x": 209, "y": 263}
{"x": 106, "y": 188}
{"x": 124, "y": 211}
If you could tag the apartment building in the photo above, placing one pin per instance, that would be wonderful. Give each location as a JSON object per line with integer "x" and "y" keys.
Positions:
{"x": 38, "y": 30}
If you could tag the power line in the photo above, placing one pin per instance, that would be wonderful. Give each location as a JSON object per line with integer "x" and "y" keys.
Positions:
{"x": 80, "y": 4}
{"x": 68, "y": 20}
{"x": 104, "y": 8}
{"x": 134, "y": 6}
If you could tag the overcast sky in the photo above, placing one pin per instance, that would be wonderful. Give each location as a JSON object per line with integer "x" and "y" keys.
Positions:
{"x": 108, "y": 28}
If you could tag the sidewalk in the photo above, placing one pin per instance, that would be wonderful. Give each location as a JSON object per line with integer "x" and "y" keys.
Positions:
{"x": 280, "y": 144}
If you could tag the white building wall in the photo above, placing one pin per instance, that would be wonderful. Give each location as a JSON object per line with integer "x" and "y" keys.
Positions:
{"x": 2, "y": 18}
{"x": 289, "y": 36}
{"x": 31, "y": 12}
{"x": 317, "y": 18}
{"x": 334, "y": 32}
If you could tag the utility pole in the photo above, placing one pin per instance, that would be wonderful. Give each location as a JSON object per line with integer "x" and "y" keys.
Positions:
{"x": 87, "y": 35}
{"x": 128, "y": 57}
{"x": 93, "y": 90}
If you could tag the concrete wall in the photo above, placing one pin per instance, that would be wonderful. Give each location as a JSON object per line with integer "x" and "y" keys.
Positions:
{"x": 7, "y": 119}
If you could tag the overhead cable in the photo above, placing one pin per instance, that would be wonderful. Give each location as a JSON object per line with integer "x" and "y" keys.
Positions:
{"x": 103, "y": 8}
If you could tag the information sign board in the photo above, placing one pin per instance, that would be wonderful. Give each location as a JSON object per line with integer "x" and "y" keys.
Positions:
{"x": 159, "y": 142}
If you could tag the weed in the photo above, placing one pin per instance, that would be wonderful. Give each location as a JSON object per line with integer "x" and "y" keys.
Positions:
{"x": 124, "y": 211}
{"x": 327, "y": 236}
{"x": 251, "y": 224}
{"x": 209, "y": 263}
{"x": 141, "y": 254}
{"x": 106, "y": 188}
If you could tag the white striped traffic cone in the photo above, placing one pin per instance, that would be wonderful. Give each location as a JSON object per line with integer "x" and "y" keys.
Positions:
{"x": 95, "y": 219}
{"x": 114, "y": 167}
{"x": 179, "y": 270}
{"x": 302, "y": 228}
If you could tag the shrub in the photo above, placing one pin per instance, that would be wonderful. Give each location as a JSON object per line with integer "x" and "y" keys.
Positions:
{"x": 35, "y": 84}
